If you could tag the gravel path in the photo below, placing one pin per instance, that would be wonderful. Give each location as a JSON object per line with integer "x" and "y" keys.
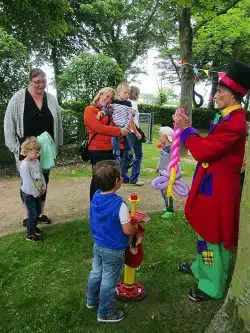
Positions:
{"x": 68, "y": 199}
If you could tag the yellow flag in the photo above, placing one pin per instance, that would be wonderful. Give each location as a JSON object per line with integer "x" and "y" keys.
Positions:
{"x": 206, "y": 71}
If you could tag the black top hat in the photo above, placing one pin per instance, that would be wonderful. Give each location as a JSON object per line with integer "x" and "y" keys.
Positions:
{"x": 237, "y": 78}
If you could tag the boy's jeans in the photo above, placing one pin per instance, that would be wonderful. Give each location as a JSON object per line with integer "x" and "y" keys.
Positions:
{"x": 33, "y": 206}
{"x": 106, "y": 269}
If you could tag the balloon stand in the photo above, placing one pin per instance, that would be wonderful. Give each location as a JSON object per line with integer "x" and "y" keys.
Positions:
{"x": 129, "y": 289}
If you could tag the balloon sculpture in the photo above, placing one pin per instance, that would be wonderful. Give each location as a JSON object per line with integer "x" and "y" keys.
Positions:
{"x": 170, "y": 178}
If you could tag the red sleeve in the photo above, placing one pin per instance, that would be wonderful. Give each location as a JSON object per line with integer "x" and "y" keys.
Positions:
{"x": 219, "y": 142}
{"x": 98, "y": 126}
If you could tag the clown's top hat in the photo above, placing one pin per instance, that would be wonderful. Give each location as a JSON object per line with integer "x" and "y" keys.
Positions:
{"x": 237, "y": 78}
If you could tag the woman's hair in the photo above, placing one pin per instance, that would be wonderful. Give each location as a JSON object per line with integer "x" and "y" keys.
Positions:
{"x": 123, "y": 87}
{"x": 36, "y": 72}
{"x": 106, "y": 173}
{"x": 134, "y": 93}
{"x": 30, "y": 144}
{"x": 104, "y": 91}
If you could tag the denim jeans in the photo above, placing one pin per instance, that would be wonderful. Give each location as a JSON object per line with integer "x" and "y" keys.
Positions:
{"x": 116, "y": 145}
{"x": 106, "y": 269}
{"x": 136, "y": 168}
{"x": 33, "y": 206}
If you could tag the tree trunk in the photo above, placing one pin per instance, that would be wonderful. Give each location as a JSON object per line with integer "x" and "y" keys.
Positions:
{"x": 187, "y": 74}
{"x": 234, "y": 316}
{"x": 212, "y": 93}
{"x": 56, "y": 66}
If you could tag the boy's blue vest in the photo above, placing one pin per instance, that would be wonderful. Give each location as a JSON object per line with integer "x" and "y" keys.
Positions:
{"x": 105, "y": 223}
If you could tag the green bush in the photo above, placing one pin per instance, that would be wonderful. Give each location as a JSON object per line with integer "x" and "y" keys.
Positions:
{"x": 73, "y": 127}
{"x": 6, "y": 156}
{"x": 163, "y": 115}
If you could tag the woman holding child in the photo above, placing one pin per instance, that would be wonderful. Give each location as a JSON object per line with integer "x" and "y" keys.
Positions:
{"x": 101, "y": 130}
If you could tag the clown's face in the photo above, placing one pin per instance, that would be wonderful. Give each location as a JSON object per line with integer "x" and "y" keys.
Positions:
{"x": 224, "y": 97}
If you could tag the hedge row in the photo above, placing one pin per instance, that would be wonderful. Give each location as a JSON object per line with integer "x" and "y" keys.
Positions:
{"x": 74, "y": 129}
{"x": 201, "y": 118}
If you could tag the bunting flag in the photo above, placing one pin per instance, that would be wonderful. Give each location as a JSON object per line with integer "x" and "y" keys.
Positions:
{"x": 196, "y": 75}
{"x": 195, "y": 69}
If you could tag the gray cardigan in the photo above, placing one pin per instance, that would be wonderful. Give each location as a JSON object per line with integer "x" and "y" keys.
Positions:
{"x": 13, "y": 122}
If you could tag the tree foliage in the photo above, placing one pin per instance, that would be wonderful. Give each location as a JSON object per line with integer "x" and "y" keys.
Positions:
{"x": 13, "y": 66}
{"x": 123, "y": 30}
{"x": 86, "y": 74}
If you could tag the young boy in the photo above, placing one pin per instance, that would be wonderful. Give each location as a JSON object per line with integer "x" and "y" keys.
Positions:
{"x": 165, "y": 135}
{"x": 122, "y": 114}
{"x": 110, "y": 226}
{"x": 33, "y": 186}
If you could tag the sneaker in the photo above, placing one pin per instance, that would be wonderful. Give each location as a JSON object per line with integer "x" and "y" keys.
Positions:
{"x": 38, "y": 232}
{"x": 114, "y": 318}
{"x": 139, "y": 183}
{"x": 184, "y": 268}
{"x": 25, "y": 222}
{"x": 90, "y": 306}
{"x": 33, "y": 238}
{"x": 44, "y": 219}
{"x": 198, "y": 295}
{"x": 167, "y": 215}
{"x": 118, "y": 158}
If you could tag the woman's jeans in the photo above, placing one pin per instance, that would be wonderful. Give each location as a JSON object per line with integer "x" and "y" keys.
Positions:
{"x": 136, "y": 168}
{"x": 97, "y": 156}
{"x": 33, "y": 206}
{"x": 105, "y": 273}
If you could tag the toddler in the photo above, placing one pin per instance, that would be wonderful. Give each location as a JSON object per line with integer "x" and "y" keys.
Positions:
{"x": 122, "y": 114}
{"x": 165, "y": 134}
{"x": 33, "y": 186}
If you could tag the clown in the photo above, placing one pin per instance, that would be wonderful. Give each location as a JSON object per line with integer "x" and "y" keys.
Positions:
{"x": 212, "y": 207}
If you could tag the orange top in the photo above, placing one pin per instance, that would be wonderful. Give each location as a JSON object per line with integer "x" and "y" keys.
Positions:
{"x": 102, "y": 141}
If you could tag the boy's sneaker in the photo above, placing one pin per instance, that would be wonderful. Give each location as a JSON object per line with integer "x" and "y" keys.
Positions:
{"x": 38, "y": 232}
{"x": 33, "y": 238}
{"x": 114, "y": 318}
{"x": 90, "y": 306}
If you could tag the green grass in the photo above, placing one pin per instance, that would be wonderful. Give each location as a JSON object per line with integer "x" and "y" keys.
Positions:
{"x": 150, "y": 159}
{"x": 43, "y": 287}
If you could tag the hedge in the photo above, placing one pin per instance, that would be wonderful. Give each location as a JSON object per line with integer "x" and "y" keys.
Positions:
{"x": 201, "y": 117}
{"x": 75, "y": 131}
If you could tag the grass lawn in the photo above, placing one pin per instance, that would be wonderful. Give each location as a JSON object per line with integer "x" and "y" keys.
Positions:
{"x": 150, "y": 159}
{"x": 43, "y": 287}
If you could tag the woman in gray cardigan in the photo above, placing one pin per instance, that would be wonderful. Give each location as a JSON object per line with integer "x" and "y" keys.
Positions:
{"x": 31, "y": 112}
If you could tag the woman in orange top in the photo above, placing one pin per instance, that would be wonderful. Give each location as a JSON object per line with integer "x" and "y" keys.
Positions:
{"x": 100, "y": 131}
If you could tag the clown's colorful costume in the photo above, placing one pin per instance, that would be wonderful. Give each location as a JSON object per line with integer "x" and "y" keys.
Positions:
{"x": 213, "y": 204}
{"x": 212, "y": 207}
